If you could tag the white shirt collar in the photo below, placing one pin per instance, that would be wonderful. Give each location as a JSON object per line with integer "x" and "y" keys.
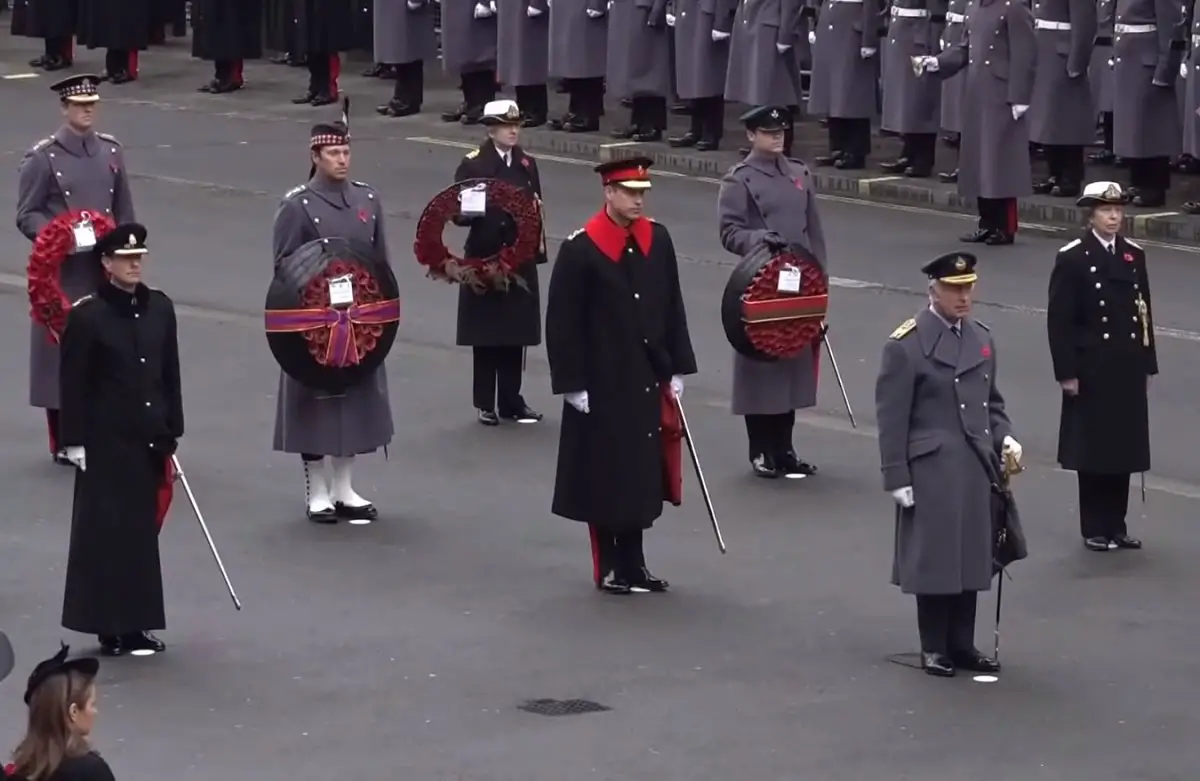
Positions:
{"x": 505, "y": 155}
{"x": 1108, "y": 244}
{"x": 957, "y": 324}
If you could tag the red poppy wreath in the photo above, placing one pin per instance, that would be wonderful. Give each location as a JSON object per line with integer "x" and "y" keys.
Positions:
{"x": 55, "y": 242}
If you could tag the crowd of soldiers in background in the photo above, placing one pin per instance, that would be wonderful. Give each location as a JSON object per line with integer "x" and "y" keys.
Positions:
{"x": 847, "y": 62}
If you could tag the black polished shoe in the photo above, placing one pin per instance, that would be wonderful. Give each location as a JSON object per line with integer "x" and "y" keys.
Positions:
{"x": 647, "y": 582}
{"x": 1126, "y": 542}
{"x": 977, "y": 236}
{"x": 917, "y": 173}
{"x": 1103, "y": 157}
{"x": 526, "y": 415}
{"x": 684, "y": 141}
{"x": 647, "y": 136}
{"x": 581, "y": 125}
{"x": 142, "y": 644}
{"x": 345, "y": 512}
{"x": 999, "y": 238}
{"x": 851, "y": 163}
{"x": 561, "y": 124}
{"x": 949, "y": 177}
{"x": 896, "y": 166}
{"x": 1045, "y": 186}
{"x": 397, "y": 108}
{"x": 324, "y": 516}
{"x": 57, "y": 64}
{"x": 122, "y": 77}
{"x": 60, "y": 458}
{"x": 472, "y": 116}
{"x": 937, "y": 665}
{"x": 534, "y": 120}
{"x": 764, "y": 466}
{"x": 110, "y": 645}
{"x": 307, "y": 97}
{"x": 1150, "y": 199}
{"x": 792, "y": 466}
{"x": 323, "y": 99}
{"x": 707, "y": 145}
{"x": 975, "y": 662}
{"x": 1099, "y": 544}
{"x": 829, "y": 159}
{"x": 1065, "y": 190}
{"x": 456, "y": 115}
{"x": 612, "y": 584}
{"x": 624, "y": 133}
{"x": 488, "y": 418}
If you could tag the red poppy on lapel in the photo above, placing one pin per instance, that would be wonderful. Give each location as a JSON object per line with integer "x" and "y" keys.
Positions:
{"x": 799, "y": 182}
{"x": 1128, "y": 257}
{"x": 116, "y": 169}
{"x": 363, "y": 215}
{"x": 987, "y": 351}
{"x": 525, "y": 161}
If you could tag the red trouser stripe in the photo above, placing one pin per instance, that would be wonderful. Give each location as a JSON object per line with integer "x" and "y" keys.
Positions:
{"x": 335, "y": 73}
{"x": 52, "y": 429}
{"x": 238, "y": 68}
{"x": 133, "y": 64}
{"x": 1012, "y": 216}
{"x": 594, "y": 535}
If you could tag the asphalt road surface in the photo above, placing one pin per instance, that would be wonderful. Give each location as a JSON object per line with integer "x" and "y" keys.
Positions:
{"x": 402, "y": 649}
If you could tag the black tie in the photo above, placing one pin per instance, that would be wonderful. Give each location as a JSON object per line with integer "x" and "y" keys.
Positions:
{"x": 957, "y": 330}
{"x": 1112, "y": 248}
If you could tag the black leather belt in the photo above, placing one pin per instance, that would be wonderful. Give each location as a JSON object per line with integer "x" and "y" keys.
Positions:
{"x": 938, "y": 18}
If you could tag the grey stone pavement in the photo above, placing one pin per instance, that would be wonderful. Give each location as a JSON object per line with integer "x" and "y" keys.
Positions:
{"x": 402, "y": 649}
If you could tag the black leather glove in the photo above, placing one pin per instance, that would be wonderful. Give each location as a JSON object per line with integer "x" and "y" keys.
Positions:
{"x": 775, "y": 242}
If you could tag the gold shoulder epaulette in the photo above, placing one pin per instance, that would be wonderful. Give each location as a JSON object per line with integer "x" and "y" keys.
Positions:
{"x": 474, "y": 153}
{"x": 45, "y": 142}
{"x": 109, "y": 138}
{"x": 574, "y": 233}
{"x": 292, "y": 193}
{"x": 1070, "y": 245}
{"x": 83, "y": 300}
{"x": 904, "y": 328}
{"x": 1132, "y": 243}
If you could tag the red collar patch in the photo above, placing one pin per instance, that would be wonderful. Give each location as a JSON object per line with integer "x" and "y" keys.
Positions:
{"x": 611, "y": 238}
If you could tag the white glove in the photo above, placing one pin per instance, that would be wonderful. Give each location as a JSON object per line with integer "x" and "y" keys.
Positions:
{"x": 904, "y": 496}
{"x": 677, "y": 386}
{"x": 1012, "y": 446}
{"x": 929, "y": 64}
{"x": 942, "y": 44}
{"x": 812, "y": 36}
{"x": 866, "y": 53}
{"x": 1183, "y": 69}
{"x": 413, "y": 6}
{"x": 1019, "y": 111}
{"x": 482, "y": 11}
{"x": 531, "y": 12}
{"x": 670, "y": 20}
{"x": 719, "y": 36}
{"x": 78, "y": 457}
{"x": 594, "y": 14}
{"x": 782, "y": 48}
{"x": 492, "y": 6}
{"x": 578, "y": 400}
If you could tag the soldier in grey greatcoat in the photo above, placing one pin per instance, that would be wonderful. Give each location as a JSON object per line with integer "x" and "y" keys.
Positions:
{"x": 1189, "y": 71}
{"x": 579, "y": 56}
{"x": 75, "y": 169}
{"x": 954, "y": 87}
{"x": 469, "y": 51}
{"x": 911, "y": 104}
{"x": 404, "y": 39}
{"x": 639, "y": 65}
{"x": 1062, "y": 116}
{"x": 845, "y": 73}
{"x": 702, "y": 33}
{"x": 1147, "y": 50}
{"x": 998, "y": 51}
{"x": 763, "y": 68}
{"x": 523, "y": 55}
{"x": 1100, "y": 76}
{"x": 311, "y": 422}
{"x": 942, "y": 428}
{"x": 768, "y": 199}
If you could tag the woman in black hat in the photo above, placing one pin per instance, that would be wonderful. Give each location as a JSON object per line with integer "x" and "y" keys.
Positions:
{"x": 61, "y": 695}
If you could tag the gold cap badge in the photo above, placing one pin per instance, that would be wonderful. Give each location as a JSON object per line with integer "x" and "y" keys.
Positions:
{"x": 132, "y": 241}
{"x": 960, "y": 265}
{"x": 1113, "y": 192}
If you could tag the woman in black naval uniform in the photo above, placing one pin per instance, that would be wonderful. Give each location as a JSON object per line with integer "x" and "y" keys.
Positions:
{"x": 500, "y": 325}
{"x": 1101, "y": 328}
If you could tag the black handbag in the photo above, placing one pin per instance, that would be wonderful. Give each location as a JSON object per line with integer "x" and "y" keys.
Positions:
{"x": 1008, "y": 538}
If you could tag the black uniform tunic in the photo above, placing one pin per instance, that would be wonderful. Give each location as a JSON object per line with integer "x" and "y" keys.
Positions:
{"x": 121, "y": 402}
{"x": 227, "y": 29}
{"x": 616, "y": 328}
{"x": 303, "y": 26}
{"x": 499, "y": 319}
{"x": 1098, "y": 336}
{"x": 123, "y": 25}
{"x": 44, "y": 18}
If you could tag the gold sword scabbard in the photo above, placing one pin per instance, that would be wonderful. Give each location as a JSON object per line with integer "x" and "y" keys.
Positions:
{"x": 1144, "y": 316}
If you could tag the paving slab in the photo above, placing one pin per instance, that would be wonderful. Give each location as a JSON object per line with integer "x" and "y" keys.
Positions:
{"x": 406, "y": 647}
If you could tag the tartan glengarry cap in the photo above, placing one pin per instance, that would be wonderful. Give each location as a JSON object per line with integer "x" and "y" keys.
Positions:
{"x": 329, "y": 134}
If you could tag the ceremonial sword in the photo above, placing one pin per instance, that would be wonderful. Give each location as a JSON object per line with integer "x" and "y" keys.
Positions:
{"x": 837, "y": 373}
{"x": 687, "y": 435}
{"x": 179, "y": 474}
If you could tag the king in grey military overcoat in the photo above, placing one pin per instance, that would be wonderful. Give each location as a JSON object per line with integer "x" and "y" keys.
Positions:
{"x": 844, "y": 82}
{"x": 469, "y": 38}
{"x": 639, "y": 64}
{"x": 523, "y": 55}
{"x": 911, "y": 104}
{"x": 998, "y": 54}
{"x": 311, "y": 422}
{"x": 759, "y": 73}
{"x": 404, "y": 37}
{"x": 938, "y": 407}
{"x": 67, "y": 172}
{"x": 1147, "y": 51}
{"x": 771, "y": 194}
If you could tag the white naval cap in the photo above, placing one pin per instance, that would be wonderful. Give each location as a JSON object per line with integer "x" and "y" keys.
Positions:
{"x": 1102, "y": 193}
{"x": 501, "y": 112}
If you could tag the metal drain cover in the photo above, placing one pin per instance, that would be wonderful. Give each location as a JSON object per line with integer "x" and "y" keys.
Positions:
{"x": 561, "y": 707}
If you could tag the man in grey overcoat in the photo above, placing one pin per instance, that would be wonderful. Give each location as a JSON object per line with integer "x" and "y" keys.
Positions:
{"x": 523, "y": 55}
{"x": 911, "y": 104}
{"x": 404, "y": 39}
{"x": 578, "y": 56}
{"x": 768, "y": 199}
{"x": 469, "y": 51}
{"x": 763, "y": 68}
{"x": 1062, "y": 116}
{"x": 312, "y": 423}
{"x": 998, "y": 53}
{"x": 942, "y": 429}
{"x": 1100, "y": 76}
{"x": 1189, "y": 71}
{"x": 76, "y": 168}
{"x": 639, "y": 65}
{"x": 1147, "y": 50}
{"x": 953, "y": 88}
{"x": 845, "y": 74}
{"x": 702, "y": 34}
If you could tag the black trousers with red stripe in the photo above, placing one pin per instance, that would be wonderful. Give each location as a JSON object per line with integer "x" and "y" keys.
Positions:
{"x": 324, "y": 71}
{"x": 229, "y": 71}
{"x": 618, "y": 552}
{"x": 121, "y": 61}
{"x": 998, "y": 214}
{"x": 52, "y": 429}
{"x": 60, "y": 47}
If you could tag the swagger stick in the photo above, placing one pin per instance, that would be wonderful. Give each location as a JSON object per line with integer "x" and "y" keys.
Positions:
{"x": 204, "y": 528}
{"x": 712, "y": 513}
{"x": 838, "y": 375}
